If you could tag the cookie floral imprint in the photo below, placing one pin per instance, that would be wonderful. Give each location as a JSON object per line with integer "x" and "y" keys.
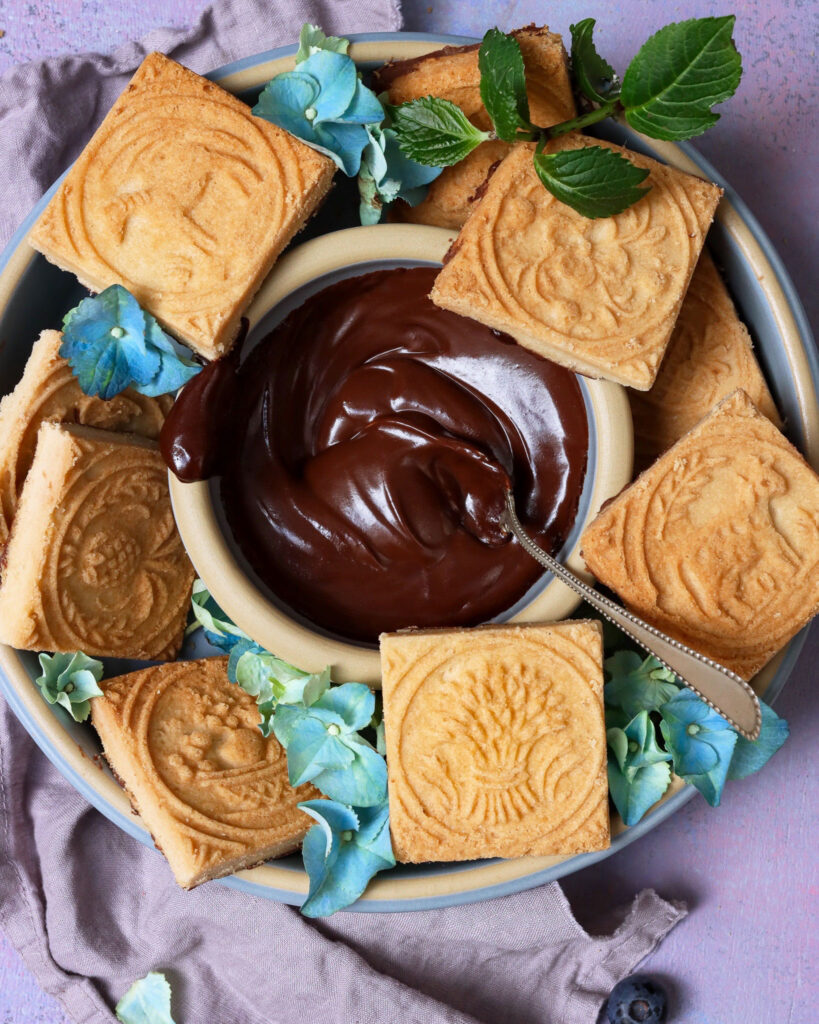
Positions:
{"x": 186, "y": 199}
{"x": 718, "y": 542}
{"x": 495, "y": 742}
{"x": 95, "y": 562}
{"x": 211, "y": 788}
{"x": 599, "y": 295}
{"x": 708, "y": 357}
{"x": 49, "y": 391}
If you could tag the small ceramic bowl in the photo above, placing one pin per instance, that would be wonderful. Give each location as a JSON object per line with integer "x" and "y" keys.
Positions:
{"x": 304, "y": 271}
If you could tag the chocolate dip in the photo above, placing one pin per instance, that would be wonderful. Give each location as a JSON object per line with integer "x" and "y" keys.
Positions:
{"x": 371, "y": 442}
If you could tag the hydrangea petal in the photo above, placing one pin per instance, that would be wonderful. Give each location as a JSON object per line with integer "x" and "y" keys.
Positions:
{"x": 220, "y": 631}
{"x": 336, "y": 78}
{"x": 341, "y": 861}
{"x": 284, "y": 100}
{"x": 363, "y": 783}
{"x": 750, "y": 755}
{"x": 701, "y": 743}
{"x": 147, "y": 1001}
{"x": 111, "y": 344}
{"x": 637, "y": 683}
{"x": 354, "y": 703}
{"x": 312, "y": 39}
{"x": 343, "y": 143}
{"x": 634, "y": 797}
{"x": 409, "y": 172}
{"x": 364, "y": 107}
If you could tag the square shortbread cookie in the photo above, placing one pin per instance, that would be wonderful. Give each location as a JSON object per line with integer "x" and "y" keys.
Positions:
{"x": 452, "y": 74}
{"x": 717, "y": 543}
{"x": 709, "y": 356}
{"x": 94, "y": 561}
{"x": 186, "y": 745}
{"x": 186, "y": 199}
{"x": 496, "y": 743}
{"x": 48, "y": 390}
{"x": 598, "y": 296}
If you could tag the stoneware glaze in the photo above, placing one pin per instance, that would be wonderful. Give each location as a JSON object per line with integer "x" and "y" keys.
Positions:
{"x": 35, "y": 295}
{"x": 304, "y": 271}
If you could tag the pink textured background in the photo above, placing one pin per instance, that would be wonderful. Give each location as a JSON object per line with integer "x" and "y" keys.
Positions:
{"x": 748, "y": 951}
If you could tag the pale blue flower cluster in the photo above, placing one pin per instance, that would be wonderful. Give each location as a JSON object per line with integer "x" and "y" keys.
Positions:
{"x": 701, "y": 746}
{"x": 112, "y": 344}
{"x": 324, "y": 103}
{"x": 320, "y": 726}
{"x": 70, "y": 680}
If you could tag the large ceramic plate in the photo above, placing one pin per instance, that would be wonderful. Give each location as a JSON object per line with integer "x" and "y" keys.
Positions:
{"x": 34, "y": 295}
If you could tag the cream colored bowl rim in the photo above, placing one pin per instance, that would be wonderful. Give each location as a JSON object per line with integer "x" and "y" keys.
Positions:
{"x": 194, "y": 503}
{"x": 445, "y": 885}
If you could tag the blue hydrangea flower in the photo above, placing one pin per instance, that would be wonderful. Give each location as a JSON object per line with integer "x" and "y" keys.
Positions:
{"x": 111, "y": 344}
{"x": 638, "y": 772}
{"x": 388, "y": 174}
{"x": 220, "y": 631}
{"x": 342, "y": 853}
{"x": 323, "y": 745}
{"x": 273, "y": 681}
{"x": 701, "y": 743}
{"x": 70, "y": 680}
{"x": 147, "y": 1001}
{"x": 637, "y": 683}
{"x": 323, "y": 103}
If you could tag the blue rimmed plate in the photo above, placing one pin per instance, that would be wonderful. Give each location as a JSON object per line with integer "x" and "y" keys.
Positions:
{"x": 34, "y": 295}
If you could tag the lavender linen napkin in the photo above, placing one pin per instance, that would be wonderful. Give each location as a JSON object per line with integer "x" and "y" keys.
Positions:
{"x": 91, "y": 910}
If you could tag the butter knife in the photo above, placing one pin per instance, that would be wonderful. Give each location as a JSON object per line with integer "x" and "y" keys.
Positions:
{"x": 721, "y": 689}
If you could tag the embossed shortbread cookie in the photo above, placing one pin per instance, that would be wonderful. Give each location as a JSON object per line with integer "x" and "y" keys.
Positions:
{"x": 450, "y": 198}
{"x": 709, "y": 356}
{"x": 94, "y": 561}
{"x": 212, "y": 791}
{"x": 48, "y": 390}
{"x": 599, "y": 296}
{"x": 452, "y": 73}
{"x": 496, "y": 744}
{"x": 186, "y": 199}
{"x": 717, "y": 543}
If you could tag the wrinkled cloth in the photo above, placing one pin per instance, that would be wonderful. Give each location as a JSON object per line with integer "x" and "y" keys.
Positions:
{"x": 91, "y": 909}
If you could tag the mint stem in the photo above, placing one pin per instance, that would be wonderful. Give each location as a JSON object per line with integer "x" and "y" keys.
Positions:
{"x": 593, "y": 116}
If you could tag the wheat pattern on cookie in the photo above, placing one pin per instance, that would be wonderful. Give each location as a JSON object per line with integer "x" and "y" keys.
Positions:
{"x": 495, "y": 741}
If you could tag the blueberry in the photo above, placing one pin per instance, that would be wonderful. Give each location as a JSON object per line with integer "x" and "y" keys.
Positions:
{"x": 637, "y": 999}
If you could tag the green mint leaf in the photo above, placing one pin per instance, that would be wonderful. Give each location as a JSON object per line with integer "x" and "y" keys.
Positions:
{"x": 147, "y": 1001}
{"x": 435, "y": 132}
{"x": 503, "y": 84}
{"x": 312, "y": 39}
{"x": 678, "y": 75}
{"x": 595, "y": 182}
{"x": 596, "y": 78}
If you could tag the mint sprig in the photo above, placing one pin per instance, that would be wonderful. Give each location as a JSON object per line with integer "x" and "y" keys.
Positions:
{"x": 667, "y": 92}
{"x": 435, "y": 132}
{"x": 678, "y": 75}
{"x": 595, "y": 182}
{"x": 503, "y": 85}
